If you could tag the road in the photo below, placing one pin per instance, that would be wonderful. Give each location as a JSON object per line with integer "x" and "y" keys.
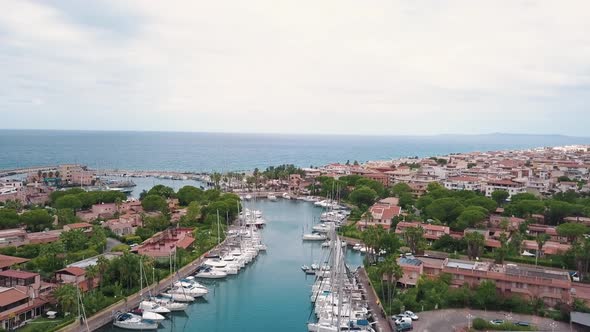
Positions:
{"x": 382, "y": 324}
{"x": 111, "y": 243}
{"x": 452, "y": 320}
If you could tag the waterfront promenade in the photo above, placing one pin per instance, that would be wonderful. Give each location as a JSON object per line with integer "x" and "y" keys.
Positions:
{"x": 381, "y": 320}
{"x": 105, "y": 316}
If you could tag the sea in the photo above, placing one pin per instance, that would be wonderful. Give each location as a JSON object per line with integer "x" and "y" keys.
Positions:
{"x": 205, "y": 152}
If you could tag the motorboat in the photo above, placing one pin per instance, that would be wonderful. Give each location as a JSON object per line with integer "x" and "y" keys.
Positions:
{"x": 151, "y": 316}
{"x": 209, "y": 273}
{"x": 131, "y": 321}
{"x": 314, "y": 237}
{"x": 170, "y": 304}
{"x": 188, "y": 290}
{"x": 153, "y": 307}
{"x": 178, "y": 297}
{"x": 248, "y": 197}
{"x": 271, "y": 198}
{"x": 286, "y": 196}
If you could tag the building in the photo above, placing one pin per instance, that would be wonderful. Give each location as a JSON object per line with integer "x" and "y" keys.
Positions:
{"x": 6, "y": 262}
{"x": 76, "y": 276}
{"x": 463, "y": 183}
{"x": 83, "y": 226}
{"x": 431, "y": 232}
{"x": 510, "y": 186}
{"x": 551, "y": 286}
{"x": 13, "y": 237}
{"x": 379, "y": 215}
{"x": 163, "y": 244}
{"x": 22, "y": 298}
{"x": 75, "y": 174}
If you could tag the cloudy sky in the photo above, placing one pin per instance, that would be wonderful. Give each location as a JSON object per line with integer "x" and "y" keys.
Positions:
{"x": 297, "y": 66}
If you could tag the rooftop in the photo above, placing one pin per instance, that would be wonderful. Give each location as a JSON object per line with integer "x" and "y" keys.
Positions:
{"x": 8, "y": 261}
{"x": 17, "y": 274}
{"x": 10, "y": 295}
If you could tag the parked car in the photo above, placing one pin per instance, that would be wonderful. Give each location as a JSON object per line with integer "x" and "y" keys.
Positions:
{"x": 575, "y": 276}
{"x": 497, "y": 322}
{"x": 403, "y": 326}
{"x": 522, "y": 323}
{"x": 411, "y": 314}
{"x": 403, "y": 319}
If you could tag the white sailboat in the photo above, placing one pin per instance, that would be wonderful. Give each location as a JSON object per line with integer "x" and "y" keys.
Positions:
{"x": 129, "y": 321}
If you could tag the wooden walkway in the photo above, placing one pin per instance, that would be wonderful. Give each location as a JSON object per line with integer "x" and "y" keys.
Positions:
{"x": 105, "y": 316}
{"x": 382, "y": 323}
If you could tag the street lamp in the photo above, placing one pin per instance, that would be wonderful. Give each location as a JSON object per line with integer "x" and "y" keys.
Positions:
{"x": 469, "y": 316}
{"x": 553, "y": 326}
{"x": 509, "y": 317}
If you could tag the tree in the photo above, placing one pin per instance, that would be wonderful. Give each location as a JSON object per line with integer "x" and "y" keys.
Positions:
{"x": 188, "y": 194}
{"x": 375, "y": 185}
{"x": 445, "y": 209}
{"x": 501, "y": 253}
{"x": 557, "y": 210}
{"x": 406, "y": 200}
{"x": 470, "y": 217}
{"x": 8, "y": 218}
{"x": 154, "y": 203}
{"x": 516, "y": 243}
{"x": 523, "y": 197}
{"x": 414, "y": 238}
{"x": 500, "y": 196}
{"x": 74, "y": 240}
{"x": 68, "y": 202}
{"x": 66, "y": 216}
{"x": 475, "y": 244}
{"x": 485, "y": 296}
{"x": 98, "y": 240}
{"x": 449, "y": 244}
{"x": 393, "y": 272}
{"x": 67, "y": 298}
{"x": 524, "y": 208}
{"x": 157, "y": 223}
{"x": 102, "y": 264}
{"x": 581, "y": 254}
{"x": 541, "y": 239}
{"x": 91, "y": 274}
{"x": 572, "y": 230}
{"x": 162, "y": 190}
{"x": 37, "y": 220}
{"x": 363, "y": 196}
{"x": 16, "y": 205}
{"x": 486, "y": 203}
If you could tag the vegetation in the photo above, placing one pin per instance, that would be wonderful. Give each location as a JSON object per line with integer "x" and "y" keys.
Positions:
{"x": 482, "y": 324}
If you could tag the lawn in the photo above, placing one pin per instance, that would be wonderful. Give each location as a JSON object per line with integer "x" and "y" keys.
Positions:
{"x": 44, "y": 324}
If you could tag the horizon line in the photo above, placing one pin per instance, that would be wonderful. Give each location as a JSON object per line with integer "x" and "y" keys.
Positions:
{"x": 295, "y": 134}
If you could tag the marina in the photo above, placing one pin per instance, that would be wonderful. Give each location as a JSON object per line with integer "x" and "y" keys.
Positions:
{"x": 271, "y": 290}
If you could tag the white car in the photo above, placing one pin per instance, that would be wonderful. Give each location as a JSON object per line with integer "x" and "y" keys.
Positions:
{"x": 411, "y": 314}
{"x": 404, "y": 319}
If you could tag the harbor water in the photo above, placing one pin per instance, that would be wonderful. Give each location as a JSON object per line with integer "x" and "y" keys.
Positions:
{"x": 270, "y": 294}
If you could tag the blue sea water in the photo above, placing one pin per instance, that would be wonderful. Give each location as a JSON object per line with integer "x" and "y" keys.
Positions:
{"x": 234, "y": 152}
{"x": 271, "y": 293}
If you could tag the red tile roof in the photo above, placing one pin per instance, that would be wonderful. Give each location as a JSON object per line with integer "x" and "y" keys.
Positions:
{"x": 79, "y": 225}
{"x": 18, "y": 274}
{"x": 8, "y": 261}
{"x": 11, "y": 295}
{"x": 73, "y": 270}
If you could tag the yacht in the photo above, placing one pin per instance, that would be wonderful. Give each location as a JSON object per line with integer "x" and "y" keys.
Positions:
{"x": 314, "y": 237}
{"x": 151, "y": 316}
{"x": 271, "y": 197}
{"x": 131, "y": 321}
{"x": 178, "y": 297}
{"x": 286, "y": 196}
{"x": 190, "y": 290}
{"x": 152, "y": 306}
{"x": 248, "y": 197}
{"x": 169, "y": 304}
{"x": 209, "y": 273}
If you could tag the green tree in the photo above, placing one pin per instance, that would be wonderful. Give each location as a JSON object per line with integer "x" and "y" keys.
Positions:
{"x": 523, "y": 197}
{"x": 572, "y": 230}
{"x": 154, "y": 203}
{"x": 475, "y": 244}
{"x": 74, "y": 240}
{"x": 8, "y": 218}
{"x": 188, "y": 194}
{"x": 16, "y": 205}
{"x": 445, "y": 209}
{"x": 449, "y": 244}
{"x": 581, "y": 252}
{"x": 98, "y": 240}
{"x": 524, "y": 208}
{"x": 156, "y": 223}
{"x": 414, "y": 238}
{"x": 541, "y": 239}
{"x": 557, "y": 210}
{"x": 91, "y": 274}
{"x": 500, "y": 196}
{"x": 484, "y": 202}
{"x": 470, "y": 217}
{"x": 501, "y": 253}
{"x": 37, "y": 220}
{"x": 363, "y": 196}
{"x": 66, "y": 216}
{"x": 67, "y": 298}
{"x": 68, "y": 202}
{"x": 162, "y": 190}
{"x": 485, "y": 296}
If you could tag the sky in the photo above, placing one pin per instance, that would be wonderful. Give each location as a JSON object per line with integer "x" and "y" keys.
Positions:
{"x": 412, "y": 67}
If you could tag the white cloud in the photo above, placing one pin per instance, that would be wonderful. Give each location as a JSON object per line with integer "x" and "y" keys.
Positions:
{"x": 374, "y": 66}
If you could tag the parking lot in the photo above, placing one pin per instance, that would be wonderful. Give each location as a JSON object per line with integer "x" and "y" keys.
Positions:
{"x": 452, "y": 320}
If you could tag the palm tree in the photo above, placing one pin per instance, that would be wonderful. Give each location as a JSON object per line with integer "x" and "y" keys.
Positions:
{"x": 102, "y": 265}
{"x": 91, "y": 273}
{"x": 475, "y": 244}
{"x": 581, "y": 250}
{"x": 394, "y": 272}
{"x": 541, "y": 239}
{"x": 66, "y": 297}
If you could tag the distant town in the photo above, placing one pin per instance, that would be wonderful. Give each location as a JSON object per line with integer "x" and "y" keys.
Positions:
{"x": 518, "y": 219}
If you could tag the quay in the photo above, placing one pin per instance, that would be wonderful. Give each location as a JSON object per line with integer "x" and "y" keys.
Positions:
{"x": 105, "y": 316}
{"x": 382, "y": 322}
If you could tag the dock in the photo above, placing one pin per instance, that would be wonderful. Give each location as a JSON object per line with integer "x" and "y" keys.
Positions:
{"x": 105, "y": 316}
{"x": 382, "y": 322}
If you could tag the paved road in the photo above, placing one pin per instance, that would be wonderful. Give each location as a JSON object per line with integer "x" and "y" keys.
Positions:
{"x": 452, "y": 320}
{"x": 112, "y": 243}
{"x": 380, "y": 318}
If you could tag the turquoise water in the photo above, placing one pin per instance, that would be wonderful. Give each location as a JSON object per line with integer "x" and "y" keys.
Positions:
{"x": 270, "y": 294}
{"x": 224, "y": 152}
